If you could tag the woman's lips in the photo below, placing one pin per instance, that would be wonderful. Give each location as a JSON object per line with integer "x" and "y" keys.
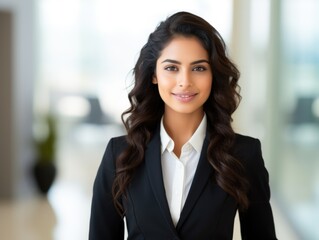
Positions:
{"x": 184, "y": 97}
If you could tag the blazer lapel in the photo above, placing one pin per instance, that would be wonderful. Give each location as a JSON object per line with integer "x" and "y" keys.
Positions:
{"x": 203, "y": 174}
{"x": 154, "y": 171}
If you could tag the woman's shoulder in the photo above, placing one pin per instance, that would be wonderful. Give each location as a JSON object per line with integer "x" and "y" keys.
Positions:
{"x": 248, "y": 149}
{"x": 246, "y": 143}
{"x": 245, "y": 140}
{"x": 117, "y": 143}
{"x": 113, "y": 149}
{"x": 118, "y": 139}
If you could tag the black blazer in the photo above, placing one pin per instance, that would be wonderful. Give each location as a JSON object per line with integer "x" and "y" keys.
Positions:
{"x": 208, "y": 213}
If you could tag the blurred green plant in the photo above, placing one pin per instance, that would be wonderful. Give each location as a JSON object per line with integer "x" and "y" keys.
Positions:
{"x": 46, "y": 144}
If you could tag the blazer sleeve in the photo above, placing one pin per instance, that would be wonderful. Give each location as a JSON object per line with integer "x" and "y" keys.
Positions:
{"x": 257, "y": 221}
{"x": 105, "y": 222}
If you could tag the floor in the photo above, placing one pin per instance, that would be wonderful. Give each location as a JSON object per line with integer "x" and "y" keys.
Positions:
{"x": 64, "y": 212}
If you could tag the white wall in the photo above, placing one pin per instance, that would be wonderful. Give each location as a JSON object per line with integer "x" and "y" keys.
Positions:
{"x": 21, "y": 88}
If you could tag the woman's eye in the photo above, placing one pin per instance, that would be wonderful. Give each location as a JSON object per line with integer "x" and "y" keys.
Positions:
{"x": 199, "y": 69}
{"x": 171, "y": 68}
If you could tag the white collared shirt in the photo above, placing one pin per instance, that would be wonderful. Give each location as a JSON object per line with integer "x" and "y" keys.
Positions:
{"x": 178, "y": 173}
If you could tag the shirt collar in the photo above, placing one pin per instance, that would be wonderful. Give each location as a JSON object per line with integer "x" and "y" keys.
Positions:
{"x": 196, "y": 139}
{"x": 166, "y": 141}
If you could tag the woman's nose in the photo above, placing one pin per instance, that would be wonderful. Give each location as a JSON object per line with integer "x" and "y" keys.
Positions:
{"x": 184, "y": 79}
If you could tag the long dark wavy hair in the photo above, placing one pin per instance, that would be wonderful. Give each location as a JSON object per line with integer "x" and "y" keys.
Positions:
{"x": 147, "y": 107}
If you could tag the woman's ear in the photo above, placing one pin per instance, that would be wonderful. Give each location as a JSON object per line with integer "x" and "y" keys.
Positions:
{"x": 154, "y": 79}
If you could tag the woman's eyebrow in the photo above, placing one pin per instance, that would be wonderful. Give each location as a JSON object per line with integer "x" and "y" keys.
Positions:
{"x": 192, "y": 63}
{"x": 200, "y": 61}
{"x": 171, "y": 61}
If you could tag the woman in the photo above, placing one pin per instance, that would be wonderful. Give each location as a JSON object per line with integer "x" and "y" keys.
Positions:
{"x": 181, "y": 172}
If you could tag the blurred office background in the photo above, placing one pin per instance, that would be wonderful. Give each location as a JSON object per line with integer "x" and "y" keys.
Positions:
{"x": 72, "y": 59}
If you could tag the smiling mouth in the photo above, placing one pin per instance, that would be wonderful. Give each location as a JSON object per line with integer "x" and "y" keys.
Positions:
{"x": 184, "y": 97}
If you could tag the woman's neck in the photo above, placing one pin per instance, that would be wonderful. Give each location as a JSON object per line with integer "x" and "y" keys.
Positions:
{"x": 181, "y": 127}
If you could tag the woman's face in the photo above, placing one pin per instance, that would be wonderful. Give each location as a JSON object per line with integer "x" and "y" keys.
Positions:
{"x": 183, "y": 76}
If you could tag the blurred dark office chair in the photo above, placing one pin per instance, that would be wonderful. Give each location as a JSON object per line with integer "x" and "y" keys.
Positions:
{"x": 303, "y": 112}
{"x": 96, "y": 114}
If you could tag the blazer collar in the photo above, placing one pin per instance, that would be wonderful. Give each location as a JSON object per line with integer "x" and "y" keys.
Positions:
{"x": 202, "y": 175}
{"x": 154, "y": 169}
